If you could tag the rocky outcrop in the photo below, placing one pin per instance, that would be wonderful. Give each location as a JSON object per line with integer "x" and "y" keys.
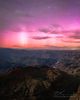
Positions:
{"x": 37, "y": 84}
{"x": 76, "y": 96}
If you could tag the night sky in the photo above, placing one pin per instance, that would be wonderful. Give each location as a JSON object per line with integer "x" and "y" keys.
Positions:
{"x": 52, "y": 24}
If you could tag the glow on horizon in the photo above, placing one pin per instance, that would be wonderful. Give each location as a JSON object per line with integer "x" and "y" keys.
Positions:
{"x": 53, "y": 24}
{"x": 23, "y": 38}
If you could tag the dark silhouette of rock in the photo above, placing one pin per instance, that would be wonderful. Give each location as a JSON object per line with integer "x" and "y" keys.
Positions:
{"x": 33, "y": 83}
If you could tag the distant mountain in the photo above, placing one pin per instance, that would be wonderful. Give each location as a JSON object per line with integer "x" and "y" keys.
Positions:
{"x": 10, "y": 58}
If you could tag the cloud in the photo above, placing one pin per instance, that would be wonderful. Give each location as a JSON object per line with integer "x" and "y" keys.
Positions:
{"x": 13, "y": 13}
{"x": 71, "y": 41}
{"x": 76, "y": 35}
{"x": 57, "y": 47}
{"x": 52, "y": 29}
{"x": 16, "y": 46}
{"x": 40, "y": 38}
{"x": 13, "y": 21}
{"x": 49, "y": 31}
{"x": 56, "y": 27}
{"x": 21, "y": 13}
{"x": 45, "y": 30}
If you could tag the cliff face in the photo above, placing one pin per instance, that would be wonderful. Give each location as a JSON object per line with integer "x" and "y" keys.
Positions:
{"x": 70, "y": 65}
{"x": 76, "y": 96}
{"x": 38, "y": 84}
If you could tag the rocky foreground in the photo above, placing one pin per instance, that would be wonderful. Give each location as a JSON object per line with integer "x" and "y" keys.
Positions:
{"x": 35, "y": 83}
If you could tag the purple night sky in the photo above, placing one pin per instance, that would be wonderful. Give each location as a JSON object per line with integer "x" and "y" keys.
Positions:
{"x": 40, "y": 24}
